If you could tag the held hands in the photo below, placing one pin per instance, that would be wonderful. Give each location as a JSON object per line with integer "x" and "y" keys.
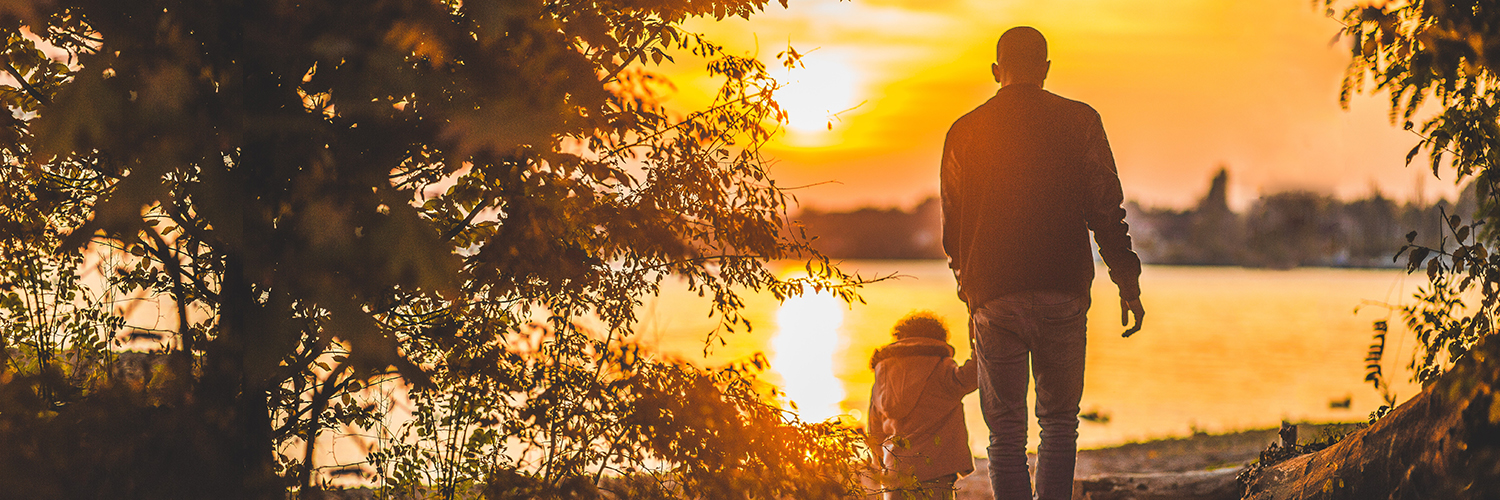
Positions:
{"x": 1126, "y": 308}
{"x": 961, "y": 295}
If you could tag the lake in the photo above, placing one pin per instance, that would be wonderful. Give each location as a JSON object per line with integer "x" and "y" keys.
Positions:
{"x": 1223, "y": 349}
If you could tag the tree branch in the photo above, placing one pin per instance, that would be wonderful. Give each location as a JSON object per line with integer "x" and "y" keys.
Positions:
{"x": 179, "y": 291}
{"x": 453, "y": 233}
{"x": 30, "y": 90}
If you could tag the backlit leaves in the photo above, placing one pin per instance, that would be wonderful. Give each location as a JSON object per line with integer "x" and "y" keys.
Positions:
{"x": 1431, "y": 48}
{"x": 1450, "y": 51}
{"x": 1455, "y": 310}
{"x": 353, "y": 190}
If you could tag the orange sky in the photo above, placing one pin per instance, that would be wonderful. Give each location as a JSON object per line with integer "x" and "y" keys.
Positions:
{"x": 1183, "y": 86}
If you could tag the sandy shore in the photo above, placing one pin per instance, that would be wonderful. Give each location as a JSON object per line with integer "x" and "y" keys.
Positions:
{"x": 1193, "y": 454}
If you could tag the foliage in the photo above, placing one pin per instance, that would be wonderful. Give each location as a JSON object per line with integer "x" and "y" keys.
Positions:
{"x": 1445, "y": 325}
{"x": 646, "y": 429}
{"x": 1434, "y": 48}
{"x": 69, "y": 401}
{"x": 334, "y": 193}
{"x": 1448, "y": 50}
{"x": 53, "y": 331}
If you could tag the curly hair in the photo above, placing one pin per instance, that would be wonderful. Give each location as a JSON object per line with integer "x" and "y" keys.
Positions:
{"x": 921, "y": 324}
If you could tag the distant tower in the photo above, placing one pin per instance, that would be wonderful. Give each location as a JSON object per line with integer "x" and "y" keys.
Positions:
{"x": 1217, "y": 235}
{"x": 1217, "y": 200}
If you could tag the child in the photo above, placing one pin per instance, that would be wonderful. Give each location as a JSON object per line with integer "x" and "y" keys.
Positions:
{"x": 916, "y": 425}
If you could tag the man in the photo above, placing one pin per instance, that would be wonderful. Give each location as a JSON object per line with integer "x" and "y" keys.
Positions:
{"x": 1025, "y": 177}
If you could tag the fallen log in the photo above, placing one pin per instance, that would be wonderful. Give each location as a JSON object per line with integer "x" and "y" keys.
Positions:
{"x": 1443, "y": 443}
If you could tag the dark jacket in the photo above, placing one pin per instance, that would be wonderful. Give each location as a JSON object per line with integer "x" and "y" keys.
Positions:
{"x": 918, "y": 398}
{"x": 1025, "y": 177}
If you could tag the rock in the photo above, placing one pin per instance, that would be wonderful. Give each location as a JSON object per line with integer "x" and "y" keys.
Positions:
{"x": 1443, "y": 443}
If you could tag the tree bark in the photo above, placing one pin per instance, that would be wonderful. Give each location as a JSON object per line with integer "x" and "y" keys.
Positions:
{"x": 228, "y": 389}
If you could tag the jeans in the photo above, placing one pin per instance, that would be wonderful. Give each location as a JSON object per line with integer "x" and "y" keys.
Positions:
{"x": 1047, "y": 329}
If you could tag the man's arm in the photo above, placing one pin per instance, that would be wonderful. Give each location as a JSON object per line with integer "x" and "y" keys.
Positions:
{"x": 1105, "y": 215}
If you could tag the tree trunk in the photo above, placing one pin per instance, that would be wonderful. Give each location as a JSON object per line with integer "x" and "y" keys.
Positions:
{"x": 229, "y": 392}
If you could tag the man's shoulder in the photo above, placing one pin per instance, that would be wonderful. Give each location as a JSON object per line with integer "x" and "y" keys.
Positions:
{"x": 1072, "y": 106}
{"x": 1004, "y": 102}
{"x": 967, "y": 121}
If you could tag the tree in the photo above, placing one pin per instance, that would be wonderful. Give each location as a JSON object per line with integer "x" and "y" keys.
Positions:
{"x": 1442, "y": 442}
{"x": 1450, "y": 51}
{"x": 333, "y": 192}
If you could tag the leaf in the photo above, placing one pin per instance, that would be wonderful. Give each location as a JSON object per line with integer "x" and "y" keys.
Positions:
{"x": 1416, "y": 258}
{"x": 1410, "y": 237}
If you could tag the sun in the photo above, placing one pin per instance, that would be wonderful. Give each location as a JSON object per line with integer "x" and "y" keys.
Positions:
{"x": 814, "y": 94}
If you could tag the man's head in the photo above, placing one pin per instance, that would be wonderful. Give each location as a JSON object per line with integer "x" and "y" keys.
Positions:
{"x": 921, "y": 324}
{"x": 1021, "y": 57}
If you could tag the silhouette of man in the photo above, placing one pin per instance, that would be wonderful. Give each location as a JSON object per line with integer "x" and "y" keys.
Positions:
{"x": 1025, "y": 177}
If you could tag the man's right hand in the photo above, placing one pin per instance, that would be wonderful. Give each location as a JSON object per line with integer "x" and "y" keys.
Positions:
{"x": 1126, "y": 308}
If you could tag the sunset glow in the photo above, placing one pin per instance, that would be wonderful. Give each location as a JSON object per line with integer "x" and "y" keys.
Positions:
{"x": 803, "y": 351}
{"x": 1184, "y": 87}
{"x": 816, "y": 93}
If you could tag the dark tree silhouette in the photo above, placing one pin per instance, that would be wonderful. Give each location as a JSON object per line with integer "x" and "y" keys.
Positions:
{"x": 332, "y": 192}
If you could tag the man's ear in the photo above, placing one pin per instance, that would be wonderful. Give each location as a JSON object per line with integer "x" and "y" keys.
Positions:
{"x": 995, "y": 70}
{"x": 1045, "y": 69}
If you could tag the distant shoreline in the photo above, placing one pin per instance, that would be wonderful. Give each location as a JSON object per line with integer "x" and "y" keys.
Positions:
{"x": 1280, "y": 230}
{"x": 1392, "y": 267}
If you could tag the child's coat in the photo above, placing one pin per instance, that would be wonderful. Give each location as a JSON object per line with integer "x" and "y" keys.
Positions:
{"x": 917, "y": 397}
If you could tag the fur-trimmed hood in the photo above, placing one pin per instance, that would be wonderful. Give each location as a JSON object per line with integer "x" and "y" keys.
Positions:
{"x": 912, "y": 346}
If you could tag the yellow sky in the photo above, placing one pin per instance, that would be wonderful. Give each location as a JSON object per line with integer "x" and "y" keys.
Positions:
{"x": 1183, "y": 86}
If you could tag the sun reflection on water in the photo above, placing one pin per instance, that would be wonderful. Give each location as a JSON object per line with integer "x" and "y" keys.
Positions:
{"x": 803, "y": 349}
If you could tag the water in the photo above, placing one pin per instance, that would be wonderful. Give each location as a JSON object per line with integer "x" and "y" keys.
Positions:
{"x": 1223, "y": 349}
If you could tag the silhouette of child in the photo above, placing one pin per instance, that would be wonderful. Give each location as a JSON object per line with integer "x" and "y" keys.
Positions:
{"x": 916, "y": 425}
